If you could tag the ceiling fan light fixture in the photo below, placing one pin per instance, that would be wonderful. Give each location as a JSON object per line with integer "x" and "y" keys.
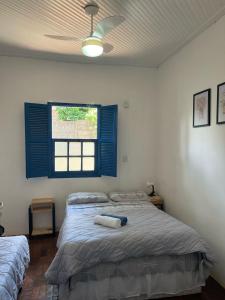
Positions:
{"x": 92, "y": 47}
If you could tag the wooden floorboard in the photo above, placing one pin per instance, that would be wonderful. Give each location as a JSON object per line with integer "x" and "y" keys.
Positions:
{"x": 42, "y": 251}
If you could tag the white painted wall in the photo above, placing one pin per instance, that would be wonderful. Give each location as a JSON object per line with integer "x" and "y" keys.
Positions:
{"x": 42, "y": 81}
{"x": 191, "y": 161}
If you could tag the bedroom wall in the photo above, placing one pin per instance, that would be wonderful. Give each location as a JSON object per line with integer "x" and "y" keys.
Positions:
{"x": 191, "y": 161}
{"x": 42, "y": 81}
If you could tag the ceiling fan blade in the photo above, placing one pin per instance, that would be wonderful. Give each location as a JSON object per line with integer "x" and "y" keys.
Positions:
{"x": 106, "y": 25}
{"x": 61, "y": 37}
{"x": 107, "y": 48}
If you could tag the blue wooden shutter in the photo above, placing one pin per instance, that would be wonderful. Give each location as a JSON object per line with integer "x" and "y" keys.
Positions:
{"x": 108, "y": 140}
{"x": 36, "y": 135}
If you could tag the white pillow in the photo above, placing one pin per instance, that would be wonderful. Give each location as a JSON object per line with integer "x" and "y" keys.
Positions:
{"x": 83, "y": 197}
{"x": 130, "y": 196}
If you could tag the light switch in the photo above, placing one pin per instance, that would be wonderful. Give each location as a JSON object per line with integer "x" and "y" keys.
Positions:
{"x": 126, "y": 104}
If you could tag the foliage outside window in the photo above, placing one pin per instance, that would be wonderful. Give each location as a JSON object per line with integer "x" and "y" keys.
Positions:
{"x": 77, "y": 113}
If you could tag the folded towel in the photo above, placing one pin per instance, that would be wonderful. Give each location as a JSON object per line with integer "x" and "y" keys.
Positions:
{"x": 107, "y": 221}
{"x": 122, "y": 218}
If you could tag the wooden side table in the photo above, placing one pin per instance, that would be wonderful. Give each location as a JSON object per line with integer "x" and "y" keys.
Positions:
{"x": 157, "y": 201}
{"x": 40, "y": 205}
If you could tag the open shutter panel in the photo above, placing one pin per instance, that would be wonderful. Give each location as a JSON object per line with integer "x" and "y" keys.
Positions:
{"x": 36, "y": 135}
{"x": 108, "y": 140}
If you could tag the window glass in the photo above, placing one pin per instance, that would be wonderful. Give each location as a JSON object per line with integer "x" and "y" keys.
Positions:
{"x": 88, "y": 148}
{"x": 80, "y": 157}
{"x": 75, "y": 164}
{"x": 74, "y": 132}
{"x": 75, "y": 149}
{"x": 60, "y": 148}
{"x": 60, "y": 164}
{"x": 74, "y": 122}
{"x": 88, "y": 164}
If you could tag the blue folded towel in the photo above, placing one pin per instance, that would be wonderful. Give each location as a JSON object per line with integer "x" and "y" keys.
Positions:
{"x": 122, "y": 219}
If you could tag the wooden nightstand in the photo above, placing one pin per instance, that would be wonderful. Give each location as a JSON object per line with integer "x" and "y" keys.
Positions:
{"x": 157, "y": 201}
{"x": 41, "y": 205}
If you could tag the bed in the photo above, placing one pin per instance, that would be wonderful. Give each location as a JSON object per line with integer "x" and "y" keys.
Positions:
{"x": 14, "y": 259}
{"x": 153, "y": 256}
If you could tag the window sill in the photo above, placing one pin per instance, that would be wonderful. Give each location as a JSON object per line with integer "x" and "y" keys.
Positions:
{"x": 74, "y": 175}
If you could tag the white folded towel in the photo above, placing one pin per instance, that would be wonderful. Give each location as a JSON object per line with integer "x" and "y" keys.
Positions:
{"x": 107, "y": 221}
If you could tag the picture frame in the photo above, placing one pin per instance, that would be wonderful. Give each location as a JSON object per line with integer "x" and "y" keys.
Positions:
{"x": 201, "y": 108}
{"x": 220, "y": 111}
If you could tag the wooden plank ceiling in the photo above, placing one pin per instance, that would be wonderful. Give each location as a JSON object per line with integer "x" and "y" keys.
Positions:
{"x": 152, "y": 31}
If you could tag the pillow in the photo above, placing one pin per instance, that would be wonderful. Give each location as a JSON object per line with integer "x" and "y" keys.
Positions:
{"x": 131, "y": 196}
{"x": 82, "y": 197}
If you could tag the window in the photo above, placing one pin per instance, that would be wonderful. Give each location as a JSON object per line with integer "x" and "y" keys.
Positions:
{"x": 70, "y": 140}
{"x": 74, "y": 156}
{"x": 74, "y": 138}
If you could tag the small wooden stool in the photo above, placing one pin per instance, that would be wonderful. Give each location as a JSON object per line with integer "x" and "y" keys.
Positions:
{"x": 39, "y": 205}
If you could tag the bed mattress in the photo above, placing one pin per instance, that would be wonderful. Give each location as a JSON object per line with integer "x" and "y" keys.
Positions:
{"x": 14, "y": 259}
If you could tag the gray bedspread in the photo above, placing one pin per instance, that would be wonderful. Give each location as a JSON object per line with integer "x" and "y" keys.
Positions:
{"x": 14, "y": 258}
{"x": 83, "y": 244}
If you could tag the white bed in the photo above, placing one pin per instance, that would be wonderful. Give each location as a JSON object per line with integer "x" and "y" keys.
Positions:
{"x": 146, "y": 276}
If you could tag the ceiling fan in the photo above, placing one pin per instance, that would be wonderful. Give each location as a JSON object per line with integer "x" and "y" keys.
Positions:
{"x": 93, "y": 45}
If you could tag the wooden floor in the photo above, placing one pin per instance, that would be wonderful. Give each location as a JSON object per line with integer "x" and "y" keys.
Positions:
{"x": 42, "y": 252}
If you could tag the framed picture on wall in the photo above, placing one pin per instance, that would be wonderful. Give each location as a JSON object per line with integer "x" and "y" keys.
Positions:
{"x": 220, "y": 117}
{"x": 201, "y": 108}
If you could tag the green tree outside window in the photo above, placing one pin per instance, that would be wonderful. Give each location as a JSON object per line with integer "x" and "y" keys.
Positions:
{"x": 77, "y": 113}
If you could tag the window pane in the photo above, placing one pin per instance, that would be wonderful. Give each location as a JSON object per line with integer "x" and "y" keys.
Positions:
{"x": 73, "y": 122}
{"x": 60, "y": 164}
{"x": 75, "y": 148}
{"x": 60, "y": 149}
{"x": 75, "y": 164}
{"x": 88, "y": 148}
{"x": 88, "y": 163}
